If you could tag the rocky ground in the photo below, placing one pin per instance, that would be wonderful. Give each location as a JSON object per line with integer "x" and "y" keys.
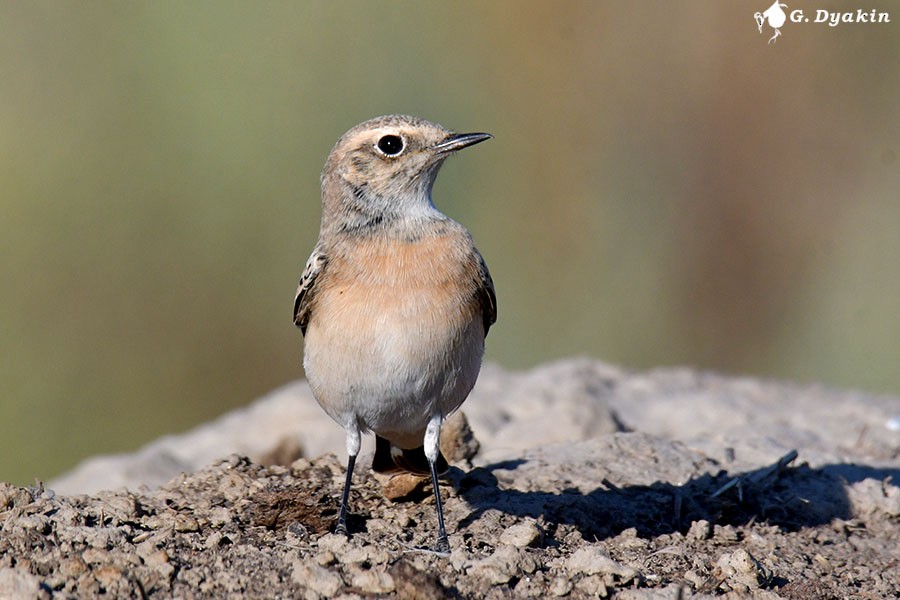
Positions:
{"x": 589, "y": 481}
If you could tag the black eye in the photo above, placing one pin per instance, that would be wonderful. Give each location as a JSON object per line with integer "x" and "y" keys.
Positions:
{"x": 391, "y": 144}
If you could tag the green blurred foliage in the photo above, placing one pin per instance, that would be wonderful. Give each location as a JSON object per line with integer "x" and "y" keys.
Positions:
{"x": 664, "y": 188}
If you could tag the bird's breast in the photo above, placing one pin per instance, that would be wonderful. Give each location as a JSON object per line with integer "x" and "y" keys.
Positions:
{"x": 422, "y": 283}
{"x": 396, "y": 328}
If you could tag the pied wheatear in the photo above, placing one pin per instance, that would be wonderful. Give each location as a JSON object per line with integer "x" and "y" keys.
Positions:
{"x": 395, "y": 301}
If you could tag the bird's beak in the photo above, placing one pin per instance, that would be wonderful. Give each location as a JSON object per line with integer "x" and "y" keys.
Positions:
{"x": 458, "y": 141}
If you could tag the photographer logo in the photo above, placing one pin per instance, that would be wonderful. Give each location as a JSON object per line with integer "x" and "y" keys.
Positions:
{"x": 775, "y": 17}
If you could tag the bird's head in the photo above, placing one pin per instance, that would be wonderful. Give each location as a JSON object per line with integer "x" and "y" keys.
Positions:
{"x": 386, "y": 167}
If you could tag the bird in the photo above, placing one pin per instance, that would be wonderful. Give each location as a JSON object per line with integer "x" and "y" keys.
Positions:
{"x": 395, "y": 301}
{"x": 775, "y": 16}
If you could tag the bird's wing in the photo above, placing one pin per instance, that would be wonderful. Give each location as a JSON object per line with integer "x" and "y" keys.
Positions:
{"x": 306, "y": 290}
{"x": 486, "y": 295}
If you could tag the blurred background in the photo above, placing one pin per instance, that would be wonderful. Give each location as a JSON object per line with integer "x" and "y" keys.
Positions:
{"x": 665, "y": 188}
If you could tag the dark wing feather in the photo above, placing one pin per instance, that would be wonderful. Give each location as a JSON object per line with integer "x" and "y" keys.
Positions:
{"x": 306, "y": 290}
{"x": 486, "y": 295}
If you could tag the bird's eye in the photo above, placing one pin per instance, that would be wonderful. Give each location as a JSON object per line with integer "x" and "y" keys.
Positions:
{"x": 391, "y": 145}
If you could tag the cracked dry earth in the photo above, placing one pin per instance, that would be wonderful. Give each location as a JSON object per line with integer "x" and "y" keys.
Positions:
{"x": 624, "y": 515}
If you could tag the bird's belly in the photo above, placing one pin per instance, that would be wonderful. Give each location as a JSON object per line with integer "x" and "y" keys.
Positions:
{"x": 389, "y": 355}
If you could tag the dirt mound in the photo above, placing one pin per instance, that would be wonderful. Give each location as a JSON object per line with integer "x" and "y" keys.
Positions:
{"x": 619, "y": 508}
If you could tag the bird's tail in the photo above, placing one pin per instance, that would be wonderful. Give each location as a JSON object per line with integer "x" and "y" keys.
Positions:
{"x": 391, "y": 459}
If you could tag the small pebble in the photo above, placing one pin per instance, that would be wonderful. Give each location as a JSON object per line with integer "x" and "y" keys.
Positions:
{"x": 700, "y": 530}
{"x": 373, "y": 581}
{"x": 522, "y": 535}
{"x": 319, "y": 579}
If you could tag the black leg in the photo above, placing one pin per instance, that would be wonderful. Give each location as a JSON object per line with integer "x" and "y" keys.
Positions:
{"x": 443, "y": 544}
{"x": 345, "y": 497}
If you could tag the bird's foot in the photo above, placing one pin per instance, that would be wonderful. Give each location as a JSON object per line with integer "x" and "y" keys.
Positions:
{"x": 442, "y": 546}
{"x": 341, "y": 529}
{"x": 441, "y": 549}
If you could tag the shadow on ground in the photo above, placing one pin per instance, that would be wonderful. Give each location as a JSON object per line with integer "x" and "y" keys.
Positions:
{"x": 790, "y": 498}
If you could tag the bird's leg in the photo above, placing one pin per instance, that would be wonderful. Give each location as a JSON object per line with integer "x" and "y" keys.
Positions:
{"x": 443, "y": 544}
{"x": 345, "y": 497}
{"x": 777, "y": 33}
{"x": 432, "y": 446}
{"x": 353, "y": 445}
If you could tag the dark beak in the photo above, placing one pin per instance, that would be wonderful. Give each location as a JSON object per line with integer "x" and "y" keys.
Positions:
{"x": 458, "y": 141}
